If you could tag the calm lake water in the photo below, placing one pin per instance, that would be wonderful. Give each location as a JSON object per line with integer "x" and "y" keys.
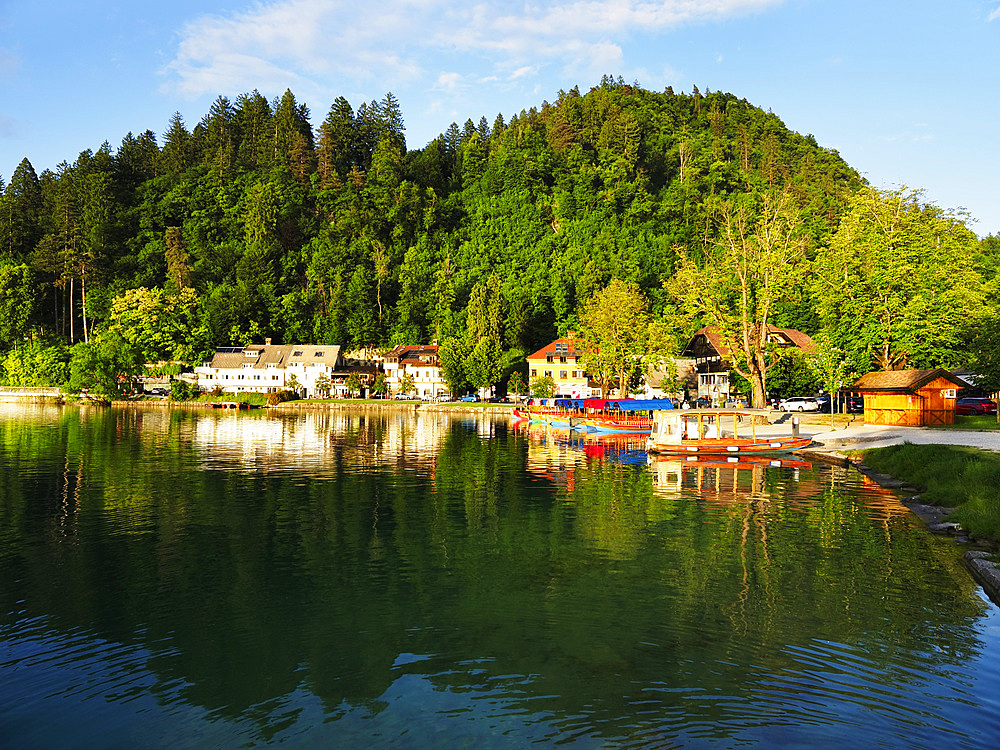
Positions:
{"x": 204, "y": 579}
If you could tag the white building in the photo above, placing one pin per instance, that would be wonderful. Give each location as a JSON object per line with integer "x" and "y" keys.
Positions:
{"x": 268, "y": 368}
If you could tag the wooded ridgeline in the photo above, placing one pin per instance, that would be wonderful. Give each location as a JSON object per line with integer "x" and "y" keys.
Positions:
{"x": 257, "y": 223}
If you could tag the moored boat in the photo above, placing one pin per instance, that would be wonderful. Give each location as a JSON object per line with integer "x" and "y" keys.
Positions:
{"x": 603, "y": 416}
{"x": 634, "y": 416}
{"x": 705, "y": 431}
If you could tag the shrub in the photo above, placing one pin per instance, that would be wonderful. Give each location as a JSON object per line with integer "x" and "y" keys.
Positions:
{"x": 180, "y": 390}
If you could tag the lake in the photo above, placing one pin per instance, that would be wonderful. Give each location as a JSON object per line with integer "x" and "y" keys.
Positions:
{"x": 187, "y": 579}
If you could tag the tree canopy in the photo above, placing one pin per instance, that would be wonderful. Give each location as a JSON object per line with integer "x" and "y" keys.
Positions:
{"x": 492, "y": 235}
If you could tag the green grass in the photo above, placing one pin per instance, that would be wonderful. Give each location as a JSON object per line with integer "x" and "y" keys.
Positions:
{"x": 981, "y": 422}
{"x": 255, "y": 399}
{"x": 967, "y": 479}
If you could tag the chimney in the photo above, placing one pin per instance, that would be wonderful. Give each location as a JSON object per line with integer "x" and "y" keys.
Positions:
{"x": 267, "y": 342}
{"x": 571, "y": 335}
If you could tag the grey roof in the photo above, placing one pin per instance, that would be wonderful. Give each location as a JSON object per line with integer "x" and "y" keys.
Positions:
{"x": 279, "y": 355}
{"x": 901, "y": 380}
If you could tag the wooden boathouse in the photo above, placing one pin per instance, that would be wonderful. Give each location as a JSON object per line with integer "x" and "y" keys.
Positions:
{"x": 909, "y": 398}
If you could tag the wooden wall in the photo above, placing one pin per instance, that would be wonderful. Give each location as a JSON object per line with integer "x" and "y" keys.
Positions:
{"x": 926, "y": 407}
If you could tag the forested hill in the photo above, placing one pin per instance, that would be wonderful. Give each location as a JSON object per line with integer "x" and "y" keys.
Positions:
{"x": 332, "y": 232}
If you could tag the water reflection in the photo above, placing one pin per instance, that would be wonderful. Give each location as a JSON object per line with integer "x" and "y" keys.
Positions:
{"x": 181, "y": 578}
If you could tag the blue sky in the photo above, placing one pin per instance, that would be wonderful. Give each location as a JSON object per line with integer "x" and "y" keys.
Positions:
{"x": 907, "y": 92}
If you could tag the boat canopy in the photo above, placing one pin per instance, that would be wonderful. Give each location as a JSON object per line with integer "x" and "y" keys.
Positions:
{"x": 629, "y": 404}
{"x": 569, "y": 403}
{"x": 649, "y": 404}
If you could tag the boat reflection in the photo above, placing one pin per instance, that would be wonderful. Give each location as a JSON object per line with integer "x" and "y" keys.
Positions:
{"x": 721, "y": 477}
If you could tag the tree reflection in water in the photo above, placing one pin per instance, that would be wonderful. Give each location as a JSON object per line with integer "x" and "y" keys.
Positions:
{"x": 419, "y": 579}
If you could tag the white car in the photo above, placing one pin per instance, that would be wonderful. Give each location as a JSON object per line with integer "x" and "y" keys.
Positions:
{"x": 799, "y": 403}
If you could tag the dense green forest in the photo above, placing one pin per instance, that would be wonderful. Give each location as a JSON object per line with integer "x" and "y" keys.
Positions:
{"x": 256, "y": 222}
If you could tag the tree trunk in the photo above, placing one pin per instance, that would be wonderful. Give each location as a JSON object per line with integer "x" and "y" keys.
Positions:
{"x": 758, "y": 396}
{"x": 83, "y": 306}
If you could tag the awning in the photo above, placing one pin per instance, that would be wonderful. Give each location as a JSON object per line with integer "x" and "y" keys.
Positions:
{"x": 569, "y": 403}
{"x": 649, "y": 404}
{"x": 628, "y": 404}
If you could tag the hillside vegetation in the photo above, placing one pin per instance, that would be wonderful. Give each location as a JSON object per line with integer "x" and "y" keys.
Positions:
{"x": 258, "y": 222}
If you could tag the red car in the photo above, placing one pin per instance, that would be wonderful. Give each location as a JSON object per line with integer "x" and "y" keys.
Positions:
{"x": 973, "y": 406}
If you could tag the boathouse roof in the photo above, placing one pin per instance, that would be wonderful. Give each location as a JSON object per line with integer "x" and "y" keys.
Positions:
{"x": 902, "y": 381}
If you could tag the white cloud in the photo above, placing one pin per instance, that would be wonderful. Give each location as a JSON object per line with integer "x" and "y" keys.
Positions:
{"x": 908, "y": 137}
{"x": 994, "y": 15}
{"x": 449, "y": 81}
{"x": 319, "y": 43}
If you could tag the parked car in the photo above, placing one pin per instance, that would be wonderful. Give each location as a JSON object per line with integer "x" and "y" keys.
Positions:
{"x": 469, "y": 399}
{"x": 973, "y": 406}
{"x": 799, "y": 403}
{"x": 849, "y": 404}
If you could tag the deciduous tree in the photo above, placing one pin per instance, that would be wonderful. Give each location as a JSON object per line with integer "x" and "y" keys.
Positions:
{"x": 895, "y": 286}
{"x": 621, "y": 336}
{"x": 758, "y": 255}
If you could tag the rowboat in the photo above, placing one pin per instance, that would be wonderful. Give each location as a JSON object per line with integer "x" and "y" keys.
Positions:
{"x": 705, "y": 431}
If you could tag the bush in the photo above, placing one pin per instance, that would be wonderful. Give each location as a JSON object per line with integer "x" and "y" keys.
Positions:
{"x": 277, "y": 397}
{"x": 180, "y": 390}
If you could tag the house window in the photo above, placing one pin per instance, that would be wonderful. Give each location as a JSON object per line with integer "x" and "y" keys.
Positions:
{"x": 274, "y": 377}
{"x": 318, "y": 354}
{"x": 548, "y": 374}
{"x": 297, "y": 354}
{"x": 562, "y": 360}
{"x": 562, "y": 374}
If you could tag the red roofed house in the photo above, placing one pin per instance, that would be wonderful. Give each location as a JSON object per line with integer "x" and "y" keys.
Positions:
{"x": 422, "y": 364}
{"x": 560, "y": 361}
{"x": 712, "y": 361}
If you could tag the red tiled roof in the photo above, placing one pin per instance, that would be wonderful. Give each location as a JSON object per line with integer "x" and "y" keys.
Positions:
{"x": 575, "y": 348}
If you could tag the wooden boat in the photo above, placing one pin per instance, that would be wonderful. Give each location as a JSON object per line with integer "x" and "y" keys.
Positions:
{"x": 704, "y": 431}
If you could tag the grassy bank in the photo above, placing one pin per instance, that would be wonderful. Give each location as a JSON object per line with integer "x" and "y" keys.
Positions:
{"x": 967, "y": 479}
